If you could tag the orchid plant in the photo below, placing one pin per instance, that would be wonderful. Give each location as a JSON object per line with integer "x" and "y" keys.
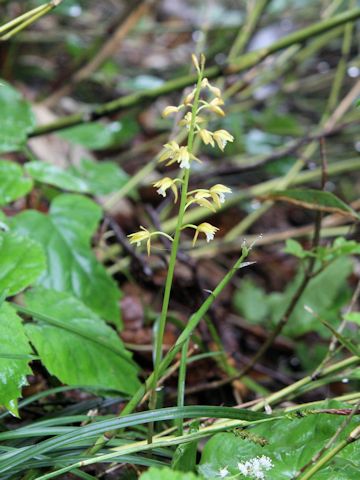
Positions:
{"x": 204, "y": 98}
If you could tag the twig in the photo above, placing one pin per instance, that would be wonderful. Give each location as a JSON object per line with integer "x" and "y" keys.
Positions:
{"x": 240, "y": 64}
{"x": 107, "y": 50}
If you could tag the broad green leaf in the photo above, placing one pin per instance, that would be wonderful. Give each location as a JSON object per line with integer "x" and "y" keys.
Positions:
{"x": 167, "y": 474}
{"x": 291, "y": 444}
{"x": 97, "y": 357}
{"x": 98, "y": 178}
{"x": 56, "y": 176}
{"x": 251, "y": 302}
{"x": 314, "y": 200}
{"x": 353, "y": 317}
{"x": 325, "y": 295}
{"x": 13, "y": 370}
{"x": 295, "y": 248}
{"x": 22, "y": 262}
{"x": 99, "y": 135}
{"x": 13, "y": 184}
{"x": 65, "y": 233}
{"x": 17, "y": 119}
{"x": 102, "y": 177}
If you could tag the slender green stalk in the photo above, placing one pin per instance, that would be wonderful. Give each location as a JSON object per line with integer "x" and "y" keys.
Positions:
{"x": 244, "y": 62}
{"x": 168, "y": 358}
{"x": 353, "y": 437}
{"x": 248, "y": 28}
{"x": 181, "y": 384}
{"x": 18, "y": 24}
{"x": 160, "y": 329}
{"x": 21, "y": 18}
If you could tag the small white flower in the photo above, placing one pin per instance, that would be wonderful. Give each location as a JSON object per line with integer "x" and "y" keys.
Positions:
{"x": 255, "y": 467}
{"x": 266, "y": 462}
{"x": 184, "y": 158}
{"x": 224, "y": 472}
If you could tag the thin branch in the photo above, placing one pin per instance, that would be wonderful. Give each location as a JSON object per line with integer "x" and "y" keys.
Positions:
{"x": 238, "y": 65}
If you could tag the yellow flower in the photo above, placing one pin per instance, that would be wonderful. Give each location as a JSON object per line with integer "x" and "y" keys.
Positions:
{"x": 214, "y": 106}
{"x": 206, "y": 228}
{"x": 206, "y": 137}
{"x": 201, "y": 198}
{"x": 218, "y": 192}
{"x": 186, "y": 121}
{"x": 190, "y": 97}
{"x": 171, "y": 149}
{"x": 141, "y": 235}
{"x": 221, "y": 137}
{"x": 169, "y": 110}
{"x": 164, "y": 184}
{"x": 215, "y": 90}
{"x": 183, "y": 157}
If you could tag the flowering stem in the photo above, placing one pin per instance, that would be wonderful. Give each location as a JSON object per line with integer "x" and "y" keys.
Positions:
{"x": 174, "y": 250}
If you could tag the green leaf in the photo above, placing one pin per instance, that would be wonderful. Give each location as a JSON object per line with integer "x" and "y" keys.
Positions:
{"x": 295, "y": 248}
{"x": 102, "y": 177}
{"x": 22, "y": 261}
{"x": 325, "y": 295}
{"x": 291, "y": 444}
{"x": 13, "y": 184}
{"x": 98, "y": 178}
{"x": 353, "y": 317}
{"x": 167, "y": 474}
{"x": 65, "y": 233}
{"x": 251, "y": 302}
{"x": 17, "y": 119}
{"x": 99, "y": 135}
{"x": 314, "y": 200}
{"x": 96, "y": 358}
{"x": 13, "y": 370}
{"x": 56, "y": 176}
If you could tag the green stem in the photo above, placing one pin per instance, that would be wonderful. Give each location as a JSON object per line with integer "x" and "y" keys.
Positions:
{"x": 244, "y": 62}
{"x": 18, "y": 24}
{"x": 181, "y": 384}
{"x": 174, "y": 250}
{"x": 169, "y": 357}
{"x": 248, "y": 28}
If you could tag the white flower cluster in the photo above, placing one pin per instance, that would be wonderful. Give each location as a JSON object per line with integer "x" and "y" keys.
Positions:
{"x": 254, "y": 468}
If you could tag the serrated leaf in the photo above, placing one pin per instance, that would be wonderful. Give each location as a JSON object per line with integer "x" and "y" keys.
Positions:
{"x": 98, "y": 178}
{"x": 22, "y": 262}
{"x": 65, "y": 234}
{"x": 17, "y": 119}
{"x": 291, "y": 444}
{"x": 167, "y": 474}
{"x": 13, "y": 184}
{"x": 97, "y": 357}
{"x": 314, "y": 200}
{"x": 13, "y": 370}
